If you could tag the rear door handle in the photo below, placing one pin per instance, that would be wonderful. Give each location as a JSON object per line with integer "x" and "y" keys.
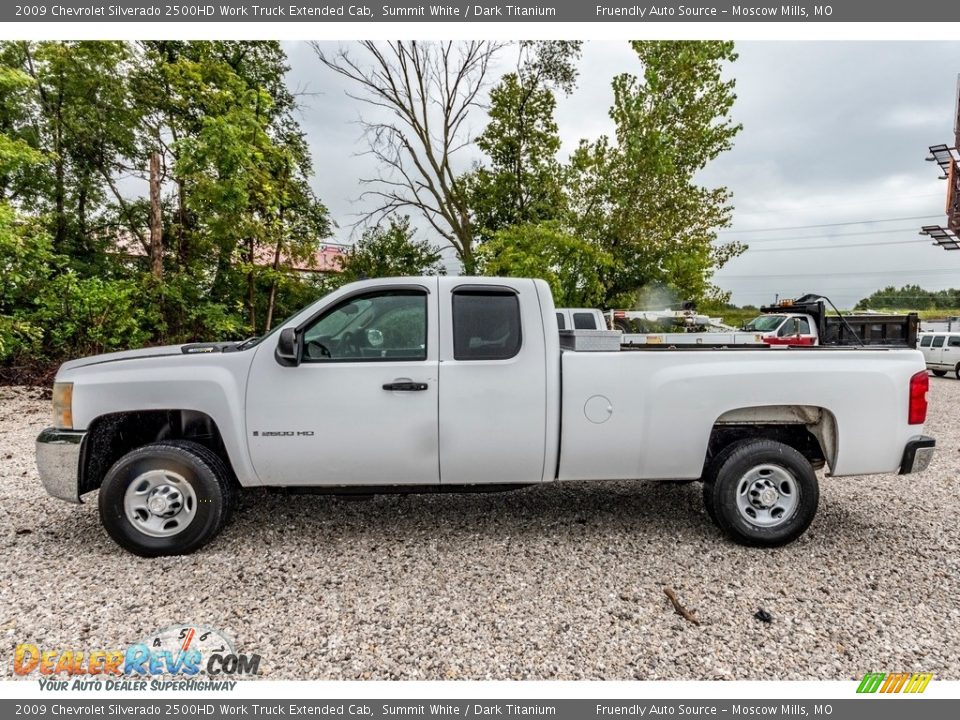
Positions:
{"x": 405, "y": 386}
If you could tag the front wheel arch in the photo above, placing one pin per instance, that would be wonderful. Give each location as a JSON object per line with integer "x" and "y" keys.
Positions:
{"x": 109, "y": 437}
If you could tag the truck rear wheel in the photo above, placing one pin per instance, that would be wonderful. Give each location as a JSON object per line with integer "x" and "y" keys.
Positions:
{"x": 939, "y": 373}
{"x": 166, "y": 498}
{"x": 761, "y": 492}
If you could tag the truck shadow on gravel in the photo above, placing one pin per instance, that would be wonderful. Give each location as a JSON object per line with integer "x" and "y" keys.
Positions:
{"x": 647, "y": 512}
{"x": 644, "y": 510}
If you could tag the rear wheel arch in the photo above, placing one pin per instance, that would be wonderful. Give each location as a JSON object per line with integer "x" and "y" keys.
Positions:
{"x": 811, "y": 430}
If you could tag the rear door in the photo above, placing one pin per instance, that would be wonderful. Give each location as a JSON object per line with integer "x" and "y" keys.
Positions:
{"x": 493, "y": 380}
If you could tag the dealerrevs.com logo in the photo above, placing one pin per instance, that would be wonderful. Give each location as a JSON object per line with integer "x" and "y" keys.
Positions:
{"x": 178, "y": 657}
{"x": 895, "y": 683}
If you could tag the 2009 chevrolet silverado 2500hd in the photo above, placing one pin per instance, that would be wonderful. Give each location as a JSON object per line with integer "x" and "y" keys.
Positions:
{"x": 460, "y": 383}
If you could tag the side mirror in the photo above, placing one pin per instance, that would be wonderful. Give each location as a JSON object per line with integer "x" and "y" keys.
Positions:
{"x": 288, "y": 348}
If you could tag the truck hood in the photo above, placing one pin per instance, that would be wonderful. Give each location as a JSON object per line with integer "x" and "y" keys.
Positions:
{"x": 151, "y": 352}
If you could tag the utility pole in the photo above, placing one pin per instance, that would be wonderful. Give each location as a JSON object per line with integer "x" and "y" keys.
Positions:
{"x": 948, "y": 158}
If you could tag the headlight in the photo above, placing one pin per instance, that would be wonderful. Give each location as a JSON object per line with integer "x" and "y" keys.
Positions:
{"x": 63, "y": 405}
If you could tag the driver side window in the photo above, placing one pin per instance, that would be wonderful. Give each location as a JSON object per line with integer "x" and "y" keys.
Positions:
{"x": 788, "y": 328}
{"x": 386, "y": 325}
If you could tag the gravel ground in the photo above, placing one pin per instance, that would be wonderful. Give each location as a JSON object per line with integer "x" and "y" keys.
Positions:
{"x": 555, "y": 582}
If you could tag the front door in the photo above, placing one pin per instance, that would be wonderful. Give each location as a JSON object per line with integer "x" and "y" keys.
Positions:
{"x": 361, "y": 407}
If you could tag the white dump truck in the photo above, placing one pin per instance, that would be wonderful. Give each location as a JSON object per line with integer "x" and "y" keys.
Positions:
{"x": 460, "y": 384}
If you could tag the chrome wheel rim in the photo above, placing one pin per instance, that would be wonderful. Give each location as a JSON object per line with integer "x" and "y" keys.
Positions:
{"x": 767, "y": 495}
{"x": 160, "y": 503}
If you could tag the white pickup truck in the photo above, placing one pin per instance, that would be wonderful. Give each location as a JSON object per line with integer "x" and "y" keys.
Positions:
{"x": 453, "y": 383}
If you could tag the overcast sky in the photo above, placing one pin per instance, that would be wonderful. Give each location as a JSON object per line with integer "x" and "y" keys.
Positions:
{"x": 834, "y": 132}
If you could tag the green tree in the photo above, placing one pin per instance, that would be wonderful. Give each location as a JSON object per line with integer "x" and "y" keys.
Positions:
{"x": 25, "y": 265}
{"x": 523, "y": 182}
{"x": 25, "y": 249}
{"x": 573, "y": 267}
{"x": 79, "y": 115}
{"x": 911, "y": 297}
{"x": 210, "y": 129}
{"x": 390, "y": 251}
{"x": 637, "y": 197}
{"x": 223, "y": 120}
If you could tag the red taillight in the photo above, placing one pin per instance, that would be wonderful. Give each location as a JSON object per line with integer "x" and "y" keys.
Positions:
{"x": 919, "y": 384}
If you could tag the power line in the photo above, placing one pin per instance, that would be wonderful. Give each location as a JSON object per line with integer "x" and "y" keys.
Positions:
{"x": 826, "y": 225}
{"x": 898, "y": 271}
{"x": 838, "y": 246}
{"x": 839, "y": 235}
{"x": 877, "y": 297}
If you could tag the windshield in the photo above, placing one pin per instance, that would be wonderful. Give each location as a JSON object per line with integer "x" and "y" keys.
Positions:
{"x": 254, "y": 341}
{"x": 764, "y": 323}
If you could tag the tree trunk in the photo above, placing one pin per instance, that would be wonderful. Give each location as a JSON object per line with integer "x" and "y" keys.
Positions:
{"x": 273, "y": 281}
{"x": 156, "y": 219}
{"x": 183, "y": 249}
{"x": 271, "y": 301}
{"x": 60, "y": 223}
{"x": 251, "y": 287}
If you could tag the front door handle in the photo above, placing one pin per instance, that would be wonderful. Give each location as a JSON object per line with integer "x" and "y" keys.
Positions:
{"x": 405, "y": 386}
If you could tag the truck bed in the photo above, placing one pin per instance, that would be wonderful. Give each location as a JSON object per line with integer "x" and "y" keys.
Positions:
{"x": 648, "y": 412}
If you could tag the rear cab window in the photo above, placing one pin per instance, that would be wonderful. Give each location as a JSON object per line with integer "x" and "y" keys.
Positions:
{"x": 584, "y": 321}
{"x": 486, "y": 324}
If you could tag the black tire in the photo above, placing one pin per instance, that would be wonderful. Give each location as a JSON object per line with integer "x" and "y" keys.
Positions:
{"x": 623, "y": 325}
{"x": 722, "y": 484}
{"x": 939, "y": 373}
{"x": 709, "y": 478}
{"x": 209, "y": 478}
{"x": 956, "y": 371}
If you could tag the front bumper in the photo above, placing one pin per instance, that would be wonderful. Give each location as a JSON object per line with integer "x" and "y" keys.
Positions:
{"x": 58, "y": 461}
{"x": 917, "y": 454}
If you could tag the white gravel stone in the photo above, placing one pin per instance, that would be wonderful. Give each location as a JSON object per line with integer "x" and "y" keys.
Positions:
{"x": 552, "y": 582}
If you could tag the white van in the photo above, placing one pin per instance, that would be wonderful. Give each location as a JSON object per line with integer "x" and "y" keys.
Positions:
{"x": 941, "y": 352}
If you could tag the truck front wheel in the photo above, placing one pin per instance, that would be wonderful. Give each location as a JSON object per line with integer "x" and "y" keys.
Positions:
{"x": 761, "y": 492}
{"x": 166, "y": 498}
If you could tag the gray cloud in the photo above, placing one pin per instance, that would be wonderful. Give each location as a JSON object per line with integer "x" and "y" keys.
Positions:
{"x": 834, "y": 132}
